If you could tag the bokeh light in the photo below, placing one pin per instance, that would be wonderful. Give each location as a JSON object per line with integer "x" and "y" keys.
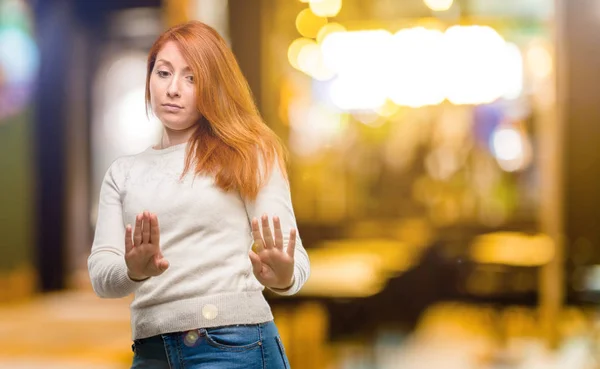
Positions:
{"x": 439, "y": 5}
{"x": 328, "y": 29}
{"x": 326, "y": 8}
{"x": 308, "y": 23}
{"x": 19, "y": 57}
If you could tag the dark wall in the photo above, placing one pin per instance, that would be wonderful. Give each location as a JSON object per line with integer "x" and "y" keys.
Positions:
{"x": 245, "y": 34}
{"x": 57, "y": 24}
{"x": 581, "y": 103}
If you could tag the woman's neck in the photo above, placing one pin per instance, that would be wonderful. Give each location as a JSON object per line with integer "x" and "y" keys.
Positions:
{"x": 172, "y": 138}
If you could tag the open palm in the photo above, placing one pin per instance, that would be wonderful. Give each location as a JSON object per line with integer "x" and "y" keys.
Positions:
{"x": 142, "y": 248}
{"x": 272, "y": 264}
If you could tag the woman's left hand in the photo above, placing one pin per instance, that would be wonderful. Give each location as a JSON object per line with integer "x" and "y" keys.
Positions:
{"x": 272, "y": 265}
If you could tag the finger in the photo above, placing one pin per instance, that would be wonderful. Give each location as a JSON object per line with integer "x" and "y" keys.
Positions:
{"x": 266, "y": 230}
{"x": 137, "y": 235}
{"x": 162, "y": 264}
{"x": 256, "y": 235}
{"x": 256, "y": 263}
{"x": 278, "y": 234}
{"x": 146, "y": 228}
{"x": 292, "y": 244}
{"x": 154, "y": 230}
{"x": 128, "y": 239}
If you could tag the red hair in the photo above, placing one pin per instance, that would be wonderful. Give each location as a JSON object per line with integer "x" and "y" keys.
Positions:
{"x": 231, "y": 142}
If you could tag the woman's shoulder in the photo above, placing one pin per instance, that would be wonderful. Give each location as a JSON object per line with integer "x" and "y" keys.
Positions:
{"x": 125, "y": 161}
{"x": 121, "y": 165}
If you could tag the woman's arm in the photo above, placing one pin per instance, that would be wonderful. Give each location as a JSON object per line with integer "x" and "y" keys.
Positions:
{"x": 106, "y": 263}
{"x": 274, "y": 199}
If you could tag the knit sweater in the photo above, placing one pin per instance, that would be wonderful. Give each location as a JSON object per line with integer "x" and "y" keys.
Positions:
{"x": 205, "y": 234}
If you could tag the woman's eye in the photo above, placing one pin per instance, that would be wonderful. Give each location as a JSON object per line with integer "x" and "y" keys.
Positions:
{"x": 190, "y": 78}
{"x": 162, "y": 73}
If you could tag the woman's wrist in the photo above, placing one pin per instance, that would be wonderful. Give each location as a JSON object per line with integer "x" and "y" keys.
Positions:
{"x": 287, "y": 287}
{"x": 136, "y": 278}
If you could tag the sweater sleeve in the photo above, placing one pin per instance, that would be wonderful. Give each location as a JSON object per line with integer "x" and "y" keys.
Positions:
{"x": 274, "y": 199}
{"x": 106, "y": 263}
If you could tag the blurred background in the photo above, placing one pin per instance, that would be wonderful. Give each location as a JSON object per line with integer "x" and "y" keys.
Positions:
{"x": 444, "y": 172}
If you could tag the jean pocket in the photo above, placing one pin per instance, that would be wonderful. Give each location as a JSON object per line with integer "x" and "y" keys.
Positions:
{"x": 286, "y": 363}
{"x": 234, "y": 338}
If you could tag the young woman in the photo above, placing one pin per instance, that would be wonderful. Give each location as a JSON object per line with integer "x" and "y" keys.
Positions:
{"x": 186, "y": 224}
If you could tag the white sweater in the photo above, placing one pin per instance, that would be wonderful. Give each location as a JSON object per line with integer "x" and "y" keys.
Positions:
{"x": 205, "y": 235}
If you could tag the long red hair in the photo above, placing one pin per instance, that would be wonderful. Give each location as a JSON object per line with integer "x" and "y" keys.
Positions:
{"x": 231, "y": 141}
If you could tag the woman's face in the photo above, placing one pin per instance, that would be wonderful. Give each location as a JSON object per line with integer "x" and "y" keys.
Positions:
{"x": 172, "y": 90}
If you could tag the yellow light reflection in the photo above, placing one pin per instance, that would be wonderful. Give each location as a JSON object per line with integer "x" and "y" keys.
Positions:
{"x": 439, "y": 5}
{"x": 415, "y": 67}
{"x": 355, "y": 268}
{"x": 308, "y": 23}
{"x": 326, "y": 8}
{"x": 388, "y": 109}
{"x": 511, "y": 248}
{"x": 294, "y": 50}
{"x": 539, "y": 60}
{"x": 354, "y": 276}
{"x": 328, "y": 29}
{"x": 314, "y": 127}
{"x": 310, "y": 61}
{"x": 309, "y": 56}
{"x": 369, "y": 118}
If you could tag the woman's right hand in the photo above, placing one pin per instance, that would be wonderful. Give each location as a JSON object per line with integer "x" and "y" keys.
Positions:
{"x": 142, "y": 249}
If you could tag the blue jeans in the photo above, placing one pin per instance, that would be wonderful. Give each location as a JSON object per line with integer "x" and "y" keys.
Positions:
{"x": 254, "y": 346}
